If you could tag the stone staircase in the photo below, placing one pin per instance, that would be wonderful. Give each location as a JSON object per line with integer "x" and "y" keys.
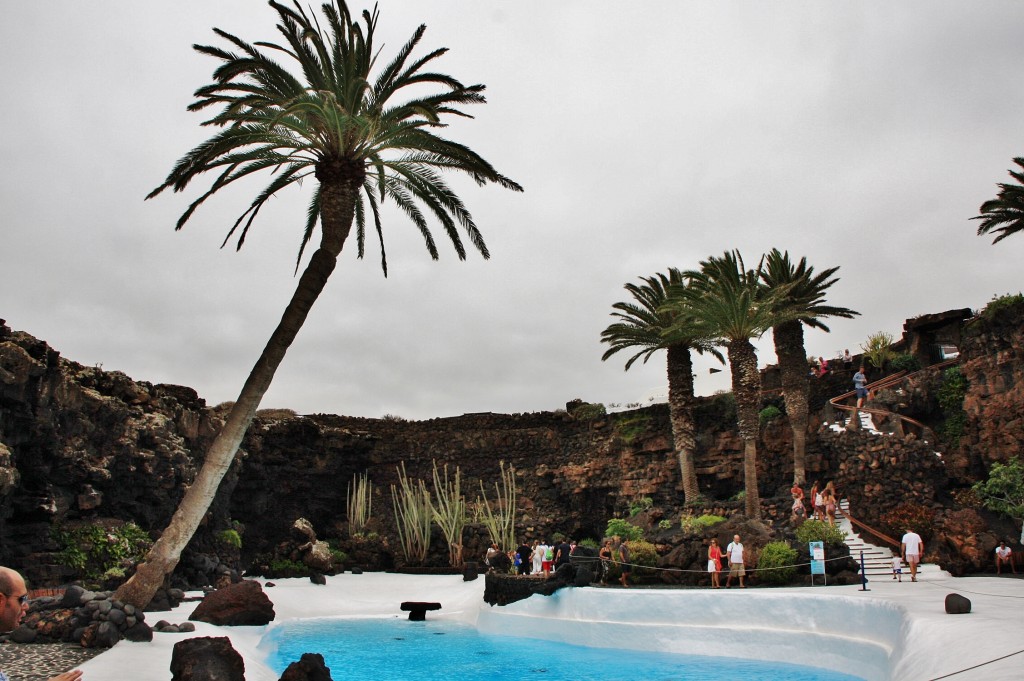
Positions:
{"x": 877, "y": 559}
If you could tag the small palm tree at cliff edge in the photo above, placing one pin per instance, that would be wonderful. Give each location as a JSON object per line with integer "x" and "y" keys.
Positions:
{"x": 647, "y": 326}
{"x": 806, "y": 300}
{"x": 343, "y": 126}
{"x": 726, "y": 302}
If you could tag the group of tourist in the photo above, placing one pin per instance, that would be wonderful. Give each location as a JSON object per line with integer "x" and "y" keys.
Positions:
{"x": 543, "y": 558}
{"x": 824, "y": 502}
{"x": 821, "y": 367}
{"x": 734, "y": 554}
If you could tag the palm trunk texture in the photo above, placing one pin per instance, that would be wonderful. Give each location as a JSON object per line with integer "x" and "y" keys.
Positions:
{"x": 337, "y": 206}
{"x": 746, "y": 388}
{"x": 680, "y": 407}
{"x": 789, "y": 348}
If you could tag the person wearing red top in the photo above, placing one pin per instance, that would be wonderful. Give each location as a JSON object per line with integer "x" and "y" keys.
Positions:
{"x": 714, "y": 562}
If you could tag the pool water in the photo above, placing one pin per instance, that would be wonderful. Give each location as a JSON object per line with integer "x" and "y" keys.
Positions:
{"x": 400, "y": 650}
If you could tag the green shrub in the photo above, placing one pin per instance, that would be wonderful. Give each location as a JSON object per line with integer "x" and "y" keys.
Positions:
{"x": 92, "y": 550}
{"x": 282, "y": 568}
{"x": 664, "y": 523}
{"x": 769, "y": 413}
{"x": 231, "y": 538}
{"x": 905, "y": 361}
{"x": 951, "y": 398}
{"x": 640, "y": 505}
{"x": 999, "y": 303}
{"x": 630, "y": 427}
{"x": 953, "y": 389}
{"x": 697, "y": 524}
{"x": 338, "y": 557}
{"x": 914, "y": 517}
{"x": 589, "y": 543}
{"x": 588, "y": 411}
{"x": 777, "y": 564}
{"x": 1003, "y": 492}
{"x": 819, "y": 530}
{"x": 626, "y": 530}
{"x": 878, "y": 349}
{"x": 643, "y": 555}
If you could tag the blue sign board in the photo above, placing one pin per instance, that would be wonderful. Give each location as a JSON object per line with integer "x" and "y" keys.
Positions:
{"x": 817, "y": 557}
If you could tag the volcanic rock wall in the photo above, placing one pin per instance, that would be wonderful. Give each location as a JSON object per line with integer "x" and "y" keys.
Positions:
{"x": 78, "y": 444}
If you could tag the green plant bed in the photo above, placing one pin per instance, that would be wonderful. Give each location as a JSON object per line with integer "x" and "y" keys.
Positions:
{"x": 819, "y": 530}
{"x": 777, "y": 563}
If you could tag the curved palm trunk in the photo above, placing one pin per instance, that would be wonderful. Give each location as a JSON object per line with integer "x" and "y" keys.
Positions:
{"x": 789, "y": 348}
{"x": 680, "y": 407}
{"x": 337, "y": 206}
{"x": 746, "y": 388}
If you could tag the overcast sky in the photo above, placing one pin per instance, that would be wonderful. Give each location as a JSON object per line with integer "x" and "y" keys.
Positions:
{"x": 647, "y": 135}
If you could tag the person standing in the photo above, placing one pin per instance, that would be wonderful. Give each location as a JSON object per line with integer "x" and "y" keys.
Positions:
{"x": 897, "y": 567}
{"x": 525, "y": 558}
{"x": 1004, "y": 555}
{"x": 860, "y": 384}
{"x": 912, "y": 546}
{"x": 736, "y": 567}
{"x": 847, "y": 359}
{"x": 625, "y": 558}
{"x": 828, "y": 498}
{"x": 605, "y": 554}
{"x": 538, "y": 556}
{"x": 714, "y": 562}
{"x": 814, "y": 496}
{"x": 562, "y": 552}
{"x": 14, "y": 607}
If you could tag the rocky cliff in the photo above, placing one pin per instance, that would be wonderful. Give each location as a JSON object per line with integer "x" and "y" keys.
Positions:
{"x": 79, "y": 444}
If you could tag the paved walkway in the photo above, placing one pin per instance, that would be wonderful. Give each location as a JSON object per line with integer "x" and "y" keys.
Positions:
{"x": 40, "y": 661}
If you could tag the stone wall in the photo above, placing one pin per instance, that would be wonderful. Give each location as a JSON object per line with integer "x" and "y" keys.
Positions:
{"x": 81, "y": 444}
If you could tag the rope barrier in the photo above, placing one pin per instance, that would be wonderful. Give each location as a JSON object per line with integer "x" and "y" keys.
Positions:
{"x": 594, "y": 559}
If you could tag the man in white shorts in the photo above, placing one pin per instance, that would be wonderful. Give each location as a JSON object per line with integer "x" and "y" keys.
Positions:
{"x": 912, "y": 546}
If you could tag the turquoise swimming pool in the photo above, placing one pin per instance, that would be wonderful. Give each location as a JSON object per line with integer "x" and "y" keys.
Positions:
{"x": 400, "y": 650}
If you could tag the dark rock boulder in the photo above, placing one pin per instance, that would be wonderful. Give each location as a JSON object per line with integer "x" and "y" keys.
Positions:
{"x": 957, "y": 604}
{"x": 209, "y": 658}
{"x": 310, "y": 667}
{"x": 242, "y": 604}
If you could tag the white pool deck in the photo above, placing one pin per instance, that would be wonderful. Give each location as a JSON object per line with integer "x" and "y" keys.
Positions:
{"x": 897, "y": 631}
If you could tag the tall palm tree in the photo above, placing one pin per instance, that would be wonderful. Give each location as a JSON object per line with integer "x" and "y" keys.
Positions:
{"x": 366, "y": 132}
{"x": 806, "y": 300}
{"x": 1004, "y": 215}
{"x": 646, "y": 324}
{"x": 727, "y": 302}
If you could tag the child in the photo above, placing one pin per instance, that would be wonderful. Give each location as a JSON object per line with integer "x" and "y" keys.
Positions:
{"x": 897, "y": 568}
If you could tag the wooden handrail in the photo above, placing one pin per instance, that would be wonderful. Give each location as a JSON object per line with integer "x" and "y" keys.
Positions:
{"x": 867, "y": 528}
{"x": 887, "y": 382}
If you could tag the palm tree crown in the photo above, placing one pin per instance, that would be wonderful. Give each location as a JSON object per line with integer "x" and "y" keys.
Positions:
{"x": 338, "y": 123}
{"x": 648, "y": 324}
{"x": 805, "y": 290}
{"x": 1004, "y": 215}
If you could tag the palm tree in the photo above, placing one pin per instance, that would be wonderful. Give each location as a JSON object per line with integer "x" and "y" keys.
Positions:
{"x": 1004, "y": 215}
{"x": 806, "y": 300}
{"x": 727, "y": 302}
{"x": 647, "y": 325}
{"x": 345, "y": 126}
